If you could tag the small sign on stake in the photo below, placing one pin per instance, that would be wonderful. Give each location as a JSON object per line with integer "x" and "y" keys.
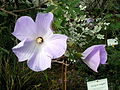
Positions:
{"x": 112, "y": 42}
{"x": 101, "y": 84}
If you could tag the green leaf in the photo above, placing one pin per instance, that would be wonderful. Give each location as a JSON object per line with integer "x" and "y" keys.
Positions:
{"x": 78, "y": 55}
{"x": 51, "y": 8}
{"x": 4, "y": 50}
{"x": 3, "y": 14}
{"x": 58, "y": 23}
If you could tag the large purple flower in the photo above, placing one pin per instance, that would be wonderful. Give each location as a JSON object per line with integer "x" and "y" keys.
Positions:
{"x": 38, "y": 43}
{"x": 94, "y": 56}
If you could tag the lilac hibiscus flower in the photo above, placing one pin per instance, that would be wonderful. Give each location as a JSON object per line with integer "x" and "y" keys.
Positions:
{"x": 38, "y": 43}
{"x": 94, "y": 56}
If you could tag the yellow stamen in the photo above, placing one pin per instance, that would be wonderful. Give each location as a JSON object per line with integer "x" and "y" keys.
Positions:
{"x": 39, "y": 40}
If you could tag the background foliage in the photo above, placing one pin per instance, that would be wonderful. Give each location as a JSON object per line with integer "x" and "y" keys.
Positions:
{"x": 71, "y": 19}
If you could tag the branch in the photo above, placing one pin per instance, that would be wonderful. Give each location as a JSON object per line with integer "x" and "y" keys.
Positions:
{"x": 61, "y": 62}
{"x": 23, "y": 10}
{"x": 9, "y": 12}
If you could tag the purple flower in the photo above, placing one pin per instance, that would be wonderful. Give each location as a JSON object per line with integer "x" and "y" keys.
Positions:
{"x": 94, "y": 56}
{"x": 90, "y": 20}
{"x": 38, "y": 43}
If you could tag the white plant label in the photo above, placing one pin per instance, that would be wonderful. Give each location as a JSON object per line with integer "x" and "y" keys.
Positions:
{"x": 112, "y": 42}
{"x": 101, "y": 84}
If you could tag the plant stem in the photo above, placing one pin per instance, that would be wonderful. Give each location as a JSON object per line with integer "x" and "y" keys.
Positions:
{"x": 65, "y": 79}
{"x": 62, "y": 76}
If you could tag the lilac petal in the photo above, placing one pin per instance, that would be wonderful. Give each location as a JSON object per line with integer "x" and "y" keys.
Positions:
{"x": 40, "y": 61}
{"x": 24, "y": 50}
{"x": 94, "y": 61}
{"x": 93, "y": 52}
{"x": 24, "y": 28}
{"x": 88, "y": 51}
{"x": 43, "y": 22}
{"x": 103, "y": 55}
{"x": 56, "y": 45}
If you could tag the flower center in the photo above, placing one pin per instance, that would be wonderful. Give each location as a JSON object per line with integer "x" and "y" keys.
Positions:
{"x": 39, "y": 40}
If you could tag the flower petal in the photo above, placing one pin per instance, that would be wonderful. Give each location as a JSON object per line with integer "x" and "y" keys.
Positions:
{"x": 56, "y": 45}
{"x": 93, "y": 61}
{"x": 39, "y": 61}
{"x": 43, "y": 22}
{"x": 24, "y": 50}
{"x": 88, "y": 51}
{"x": 103, "y": 55}
{"x": 24, "y": 28}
